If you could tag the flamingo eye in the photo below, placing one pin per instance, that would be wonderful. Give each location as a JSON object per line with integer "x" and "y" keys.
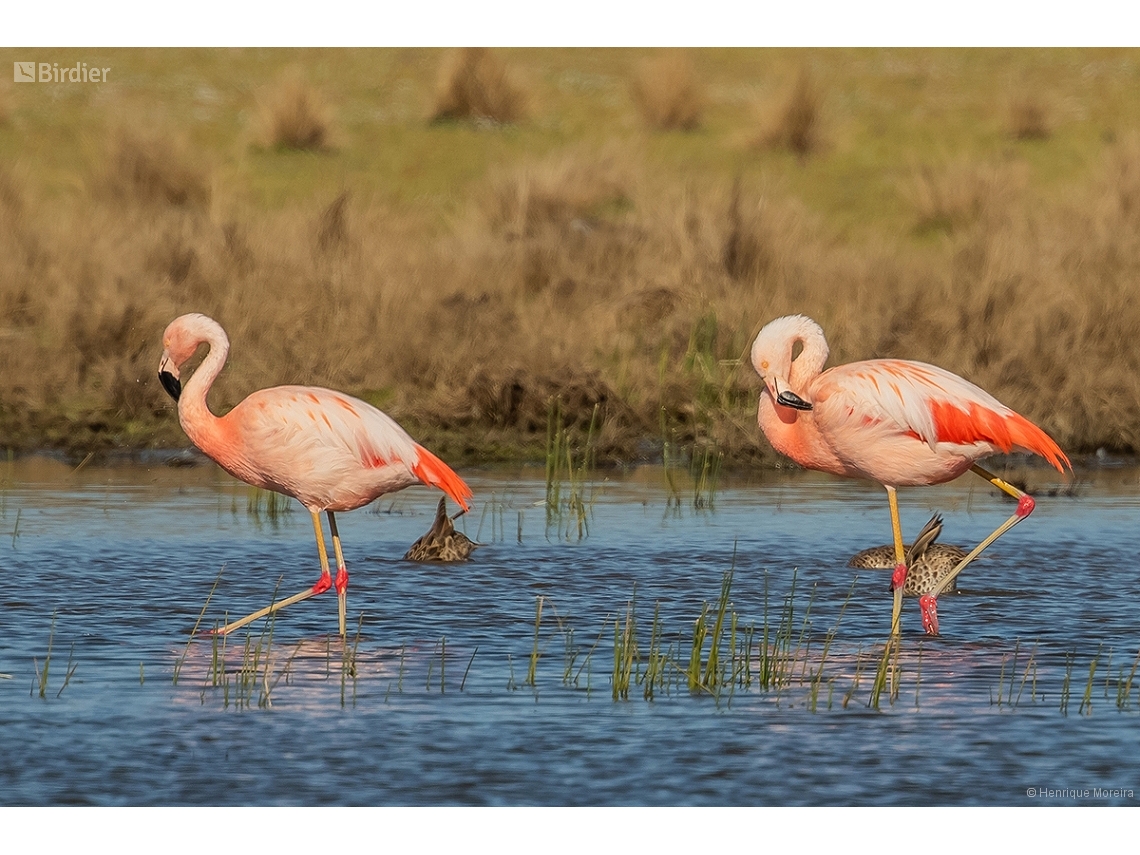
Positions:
{"x": 764, "y": 364}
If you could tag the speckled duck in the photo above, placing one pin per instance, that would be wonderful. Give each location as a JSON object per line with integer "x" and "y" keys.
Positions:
{"x": 927, "y": 561}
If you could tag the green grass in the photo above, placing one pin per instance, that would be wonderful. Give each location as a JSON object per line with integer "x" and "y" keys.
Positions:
{"x": 724, "y": 653}
{"x": 532, "y": 666}
{"x": 877, "y": 103}
{"x": 267, "y": 504}
{"x": 570, "y": 467}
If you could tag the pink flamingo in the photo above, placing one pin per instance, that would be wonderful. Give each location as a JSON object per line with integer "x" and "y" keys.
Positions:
{"x": 329, "y": 451}
{"x": 893, "y": 421}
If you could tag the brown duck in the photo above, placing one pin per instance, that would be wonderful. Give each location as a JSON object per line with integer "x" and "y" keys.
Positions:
{"x": 442, "y": 542}
{"x": 927, "y": 561}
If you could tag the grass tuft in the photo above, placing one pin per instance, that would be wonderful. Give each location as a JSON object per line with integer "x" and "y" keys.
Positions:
{"x": 332, "y": 225}
{"x": 474, "y": 84}
{"x": 268, "y": 504}
{"x": 41, "y": 680}
{"x": 955, "y": 197}
{"x": 668, "y": 94}
{"x": 1029, "y": 118}
{"x": 568, "y": 507}
{"x": 535, "y": 653}
{"x": 796, "y": 126}
{"x": 293, "y": 116}
{"x": 148, "y": 167}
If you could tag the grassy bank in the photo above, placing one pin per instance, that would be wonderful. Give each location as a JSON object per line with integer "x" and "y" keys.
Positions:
{"x": 355, "y": 219}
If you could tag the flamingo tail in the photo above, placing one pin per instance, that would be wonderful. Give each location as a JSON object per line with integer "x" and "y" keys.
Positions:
{"x": 1005, "y": 430}
{"x": 435, "y": 473}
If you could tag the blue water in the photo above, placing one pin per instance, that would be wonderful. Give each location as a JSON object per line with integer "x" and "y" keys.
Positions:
{"x": 125, "y": 557}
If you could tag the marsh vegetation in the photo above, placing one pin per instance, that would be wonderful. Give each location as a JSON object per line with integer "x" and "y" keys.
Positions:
{"x": 463, "y": 274}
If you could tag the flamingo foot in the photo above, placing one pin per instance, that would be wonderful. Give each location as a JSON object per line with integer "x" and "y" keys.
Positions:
{"x": 1025, "y": 506}
{"x": 898, "y": 578}
{"x": 322, "y": 584}
{"x": 341, "y": 580}
{"x": 929, "y": 606}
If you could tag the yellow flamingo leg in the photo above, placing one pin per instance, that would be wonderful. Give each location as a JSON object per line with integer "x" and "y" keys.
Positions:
{"x": 899, "y": 577}
{"x": 322, "y": 585}
{"x": 341, "y": 574}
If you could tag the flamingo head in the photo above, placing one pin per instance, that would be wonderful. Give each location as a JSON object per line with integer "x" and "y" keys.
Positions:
{"x": 774, "y": 351}
{"x": 180, "y": 341}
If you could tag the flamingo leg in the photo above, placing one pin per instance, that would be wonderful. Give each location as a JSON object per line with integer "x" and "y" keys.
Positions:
{"x": 898, "y": 579}
{"x": 1025, "y": 505}
{"x": 341, "y": 573}
{"x": 322, "y": 585}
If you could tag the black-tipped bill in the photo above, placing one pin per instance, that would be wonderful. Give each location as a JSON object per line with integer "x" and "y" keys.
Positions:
{"x": 791, "y": 399}
{"x": 171, "y": 384}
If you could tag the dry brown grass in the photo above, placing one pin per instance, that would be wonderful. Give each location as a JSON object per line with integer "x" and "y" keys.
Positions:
{"x": 795, "y": 126}
{"x": 6, "y": 106}
{"x": 153, "y": 167}
{"x": 571, "y": 277}
{"x": 475, "y": 84}
{"x": 293, "y": 115}
{"x": 568, "y": 191}
{"x": 1029, "y": 118}
{"x": 961, "y": 193}
{"x": 668, "y": 93}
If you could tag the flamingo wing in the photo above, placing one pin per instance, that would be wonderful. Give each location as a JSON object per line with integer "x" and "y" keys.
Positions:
{"x": 320, "y": 442}
{"x": 307, "y": 422}
{"x": 927, "y": 403}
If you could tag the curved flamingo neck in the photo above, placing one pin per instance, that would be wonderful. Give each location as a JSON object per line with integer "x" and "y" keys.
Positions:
{"x": 201, "y": 425}
{"x": 792, "y": 432}
{"x": 807, "y": 366}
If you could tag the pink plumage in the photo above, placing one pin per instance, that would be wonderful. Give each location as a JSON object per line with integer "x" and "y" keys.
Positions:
{"x": 893, "y": 421}
{"x": 330, "y": 451}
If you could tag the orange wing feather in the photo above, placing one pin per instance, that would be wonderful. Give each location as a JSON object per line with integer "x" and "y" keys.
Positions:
{"x": 930, "y": 404}
{"x": 1005, "y": 430}
{"x": 435, "y": 473}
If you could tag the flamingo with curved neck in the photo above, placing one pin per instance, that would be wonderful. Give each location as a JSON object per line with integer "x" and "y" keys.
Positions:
{"x": 893, "y": 421}
{"x": 328, "y": 450}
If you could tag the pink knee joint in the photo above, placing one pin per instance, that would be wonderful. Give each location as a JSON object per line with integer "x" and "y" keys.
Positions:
{"x": 898, "y": 578}
{"x": 1025, "y": 506}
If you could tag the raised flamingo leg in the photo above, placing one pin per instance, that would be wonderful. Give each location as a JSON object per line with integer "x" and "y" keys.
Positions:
{"x": 1025, "y": 504}
{"x": 322, "y": 585}
{"x": 898, "y": 578}
{"x": 341, "y": 573}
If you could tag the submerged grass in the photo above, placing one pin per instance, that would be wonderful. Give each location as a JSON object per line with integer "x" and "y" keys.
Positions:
{"x": 42, "y": 674}
{"x": 1117, "y": 687}
{"x": 569, "y": 505}
{"x": 723, "y": 653}
{"x": 782, "y": 658}
{"x": 268, "y": 504}
{"x": 194, "y": 630}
